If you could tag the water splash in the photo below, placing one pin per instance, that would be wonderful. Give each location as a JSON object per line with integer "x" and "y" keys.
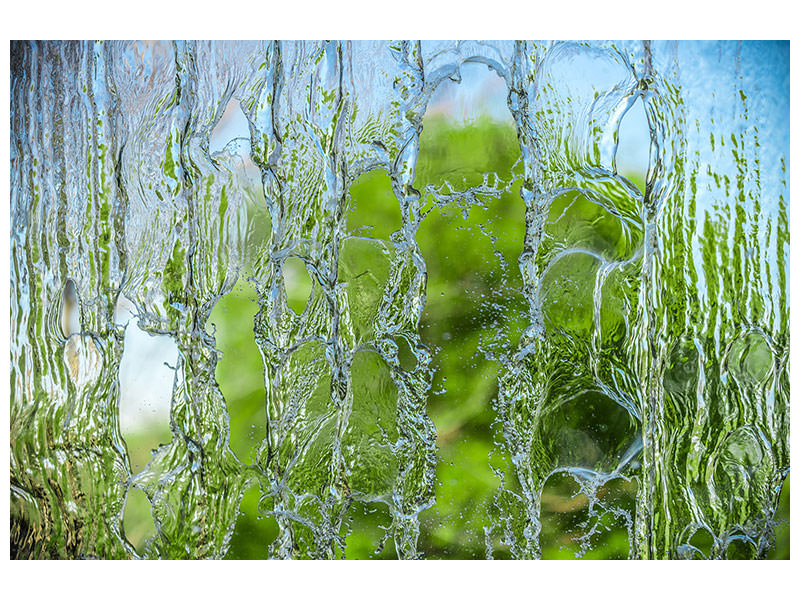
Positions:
{"x": 647, "y": 395}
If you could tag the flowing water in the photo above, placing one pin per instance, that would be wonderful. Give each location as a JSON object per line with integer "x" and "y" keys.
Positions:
{"x": 632, "y": 328}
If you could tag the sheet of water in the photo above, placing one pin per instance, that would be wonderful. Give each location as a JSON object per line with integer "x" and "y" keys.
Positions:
{"x": 651, "y": 379}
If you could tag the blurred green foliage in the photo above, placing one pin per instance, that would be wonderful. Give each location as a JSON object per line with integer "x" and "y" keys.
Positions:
{"x": 474, "y": 313}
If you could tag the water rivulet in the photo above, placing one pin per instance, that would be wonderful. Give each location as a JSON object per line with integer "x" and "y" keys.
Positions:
{"x": 646, "y": 392}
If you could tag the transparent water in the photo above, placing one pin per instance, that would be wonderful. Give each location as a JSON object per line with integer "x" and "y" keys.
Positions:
{"x": 611, "y": 271}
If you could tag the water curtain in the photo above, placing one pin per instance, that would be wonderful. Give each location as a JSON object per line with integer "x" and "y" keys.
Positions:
{"x": 652, "y": 373}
